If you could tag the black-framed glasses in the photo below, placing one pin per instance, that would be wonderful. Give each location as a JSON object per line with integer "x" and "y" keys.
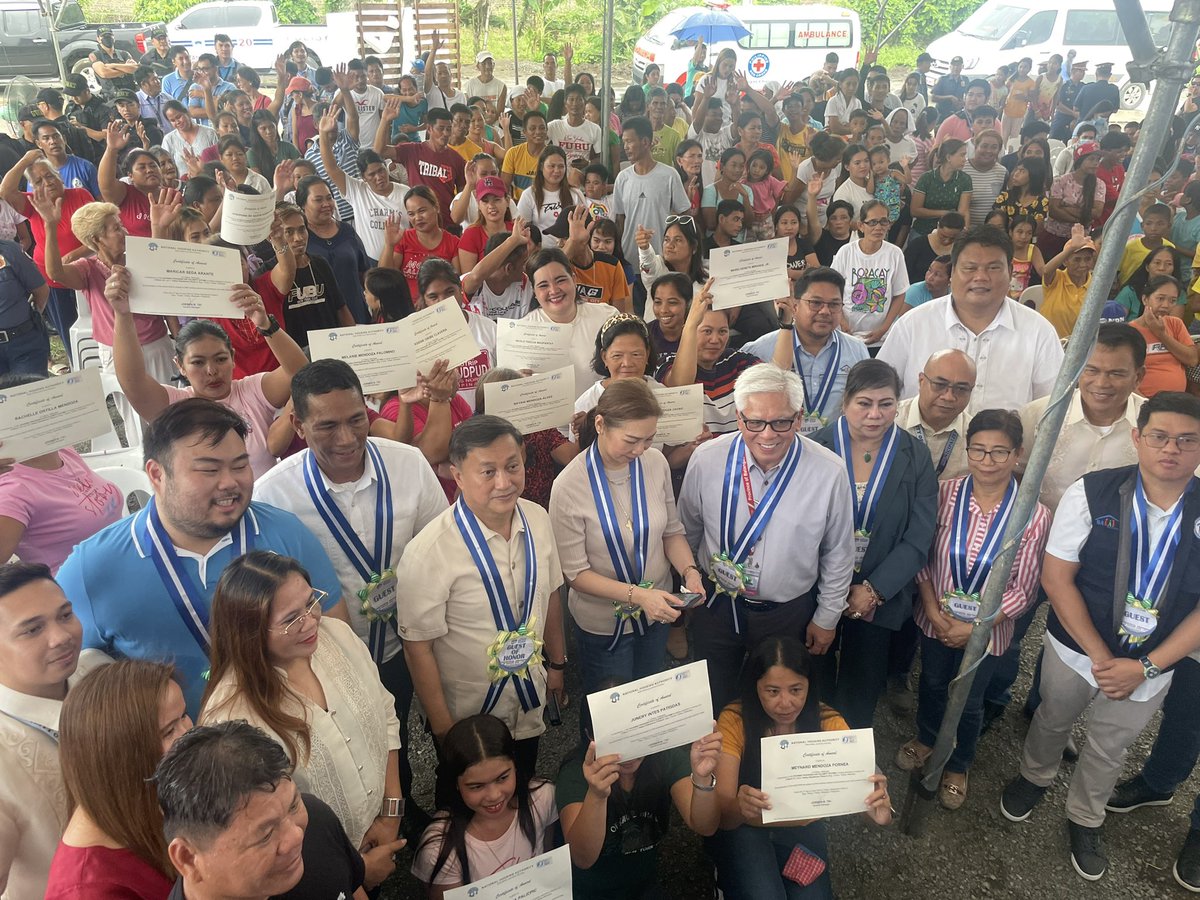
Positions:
{"x": 996, "y": 454}
{"x": 941, "y": 386}
{"x": 312, "y": 610}
{"x": 818, "y": 305}
{"x": 877, "y": 223}
{"x": 779, "y": 426}
{"x": 1156, "y": 440}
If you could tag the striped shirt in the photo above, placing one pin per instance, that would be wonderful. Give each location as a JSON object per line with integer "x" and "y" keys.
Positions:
{"x": 1021, "y": 591}
{"x": 345, "y": 153}
{"x": 719, "y": 414}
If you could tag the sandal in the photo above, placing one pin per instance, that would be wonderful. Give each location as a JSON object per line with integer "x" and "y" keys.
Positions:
{"x": 953, "y": 792}
{"x": 913, "y": 756}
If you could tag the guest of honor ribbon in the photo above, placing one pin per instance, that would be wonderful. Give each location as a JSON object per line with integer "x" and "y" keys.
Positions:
{"x": 516, "y": 647}
{"x": 815, "y": 402}
{"x": 378, "y": 593}
{"x": 865, "y": 509}
{"x": 727, "y": 567}
{"x": 963, "y": 601}
{"x": 1151, "y": 568}
{"x": 627, "y": 570}
{"x": 182, "y": 588}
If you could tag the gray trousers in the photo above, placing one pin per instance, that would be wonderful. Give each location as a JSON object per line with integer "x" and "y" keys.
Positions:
{"x": 1113, "y": 725}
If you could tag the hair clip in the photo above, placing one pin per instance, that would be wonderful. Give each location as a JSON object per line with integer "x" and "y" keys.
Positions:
{"x": 619, "y": 318}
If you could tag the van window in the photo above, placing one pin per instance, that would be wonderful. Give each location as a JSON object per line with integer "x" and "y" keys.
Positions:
{"x": 1096, "y": 27}
{"x": 994, "y": 23}
{"x": 767, "y": 36}
{"x": 242, "y": 16}
{"x": 805, "y": 35}
{"x": 1036, "y": 30}
{"x": 210, "y": 17}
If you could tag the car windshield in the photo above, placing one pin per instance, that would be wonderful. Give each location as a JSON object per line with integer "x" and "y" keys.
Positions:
{"x": 992, "y": 24}
{"x": 68, "y": 14}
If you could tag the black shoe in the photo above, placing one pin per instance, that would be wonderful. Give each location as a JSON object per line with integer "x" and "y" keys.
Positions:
{"x": 992, "y": 713}
{"x": 1134, "y": 794}
{"x": 1187, "y": 866}
{"x": 1087, "y": 851}
{"x": 1019, "y": 798}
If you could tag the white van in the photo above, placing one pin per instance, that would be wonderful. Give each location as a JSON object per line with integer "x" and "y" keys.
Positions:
{"x": 1004, "y": 31}
{"x": 786, "y": 43}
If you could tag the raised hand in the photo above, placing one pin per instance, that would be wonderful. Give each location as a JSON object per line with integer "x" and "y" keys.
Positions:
{"x": 701, "y": 303}
{"x": 49, "y": 209}
{"x": 391, "y": 108}
{"x": 392, "y": 230}
{"x": 116, "y": 135}
{"x": 194, "y": 165}
{"x": 642, "y": 237}
{"x": 578, "y": 227}
{"x": 521, "y": 230}
{"x": 704, "y": 753}
{"x": 249, "y": 304}
{"x": 285, "y": 176}
{"x": 281, "y": 67}
{"x": 568, "y": 52}
{"x": 116, "y": 290}
{"x": 328, "y": 126}
{"x": 601, "y": 774}
{"x": 342, "y": 78}
{"x": 816, "y": 183}
{"x": 165, "y": 208}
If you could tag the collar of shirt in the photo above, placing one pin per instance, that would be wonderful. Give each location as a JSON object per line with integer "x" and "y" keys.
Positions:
{"x": 1003, "y": 319}
{"x": 350, "y": 489}
{"x": 200, "y": 558}
{"x": 826, "y": 348}
{"x": 1075, "y": 411}
{"x": 913, "y": 418}
{"x": 27, "y": 708}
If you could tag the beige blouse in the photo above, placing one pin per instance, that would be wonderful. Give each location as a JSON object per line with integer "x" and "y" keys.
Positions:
{"x": 581, "y": 544}
{"x": 347, "y": 764}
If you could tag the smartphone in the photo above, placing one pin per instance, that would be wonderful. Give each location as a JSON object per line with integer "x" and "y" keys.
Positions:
{"x": 688, "y": 599}
{"x": 553, "y": 714}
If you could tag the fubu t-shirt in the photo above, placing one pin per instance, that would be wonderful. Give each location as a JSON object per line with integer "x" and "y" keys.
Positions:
{"x": 313, "y": 302}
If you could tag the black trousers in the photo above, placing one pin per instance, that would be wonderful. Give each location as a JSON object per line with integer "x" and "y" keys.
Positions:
{"x": 395, "y": 677}
{"x": 853, "y": 672}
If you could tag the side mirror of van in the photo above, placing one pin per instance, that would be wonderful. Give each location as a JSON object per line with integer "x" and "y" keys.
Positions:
{"x": 1020, "y": 39}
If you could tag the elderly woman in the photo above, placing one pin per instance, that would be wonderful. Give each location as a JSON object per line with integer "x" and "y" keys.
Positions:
{"x": 98, "y": 227}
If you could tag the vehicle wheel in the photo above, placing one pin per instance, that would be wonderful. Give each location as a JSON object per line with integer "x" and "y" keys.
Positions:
{"x": 84, "y": 67}
{"x": 1132, "y": 95}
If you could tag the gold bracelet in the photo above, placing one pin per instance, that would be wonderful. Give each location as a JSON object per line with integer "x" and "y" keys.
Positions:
{"x": 629, "y": 596}
{"x": 683, "y": 574}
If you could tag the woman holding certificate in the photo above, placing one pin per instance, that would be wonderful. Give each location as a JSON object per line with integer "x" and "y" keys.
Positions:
{"x": 895, "y": 499}
{"x": 785, "y": 860}
{"x": 308, "y": 681}
{"x": 618, "y": 537}
{"x": 972, "y": 514}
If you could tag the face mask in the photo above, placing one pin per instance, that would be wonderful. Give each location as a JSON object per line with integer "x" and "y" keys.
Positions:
{"x": 106, "y": 42}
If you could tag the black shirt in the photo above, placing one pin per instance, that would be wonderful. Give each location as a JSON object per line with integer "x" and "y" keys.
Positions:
{"x": 95, "y": 114}
{"x": 160, "y": 64}
{"x": 827, "y": 247}
{"x": 313, "y": 302}
{"x": 121, "y": 82}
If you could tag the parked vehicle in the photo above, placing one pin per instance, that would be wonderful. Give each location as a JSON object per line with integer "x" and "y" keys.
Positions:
{"x": 259, "y": 37}
{"x": 27, "y": 47}
{"x": 786, "y": 43}
{"x": 1004, "y": 31}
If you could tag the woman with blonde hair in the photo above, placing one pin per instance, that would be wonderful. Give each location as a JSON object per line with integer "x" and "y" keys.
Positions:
{"x": 115, "y": 726}
{"x": 309, "y": 682}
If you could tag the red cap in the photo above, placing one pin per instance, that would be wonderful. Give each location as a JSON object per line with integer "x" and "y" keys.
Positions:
{"x": 1086, "y": 148}
{"x": 489, "y": 186}
{"x": 299, "y": 83}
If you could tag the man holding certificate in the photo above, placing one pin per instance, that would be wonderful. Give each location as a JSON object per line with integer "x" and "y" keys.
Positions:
{"x": 481, "y": 618}
{"x": 769, "y": 516}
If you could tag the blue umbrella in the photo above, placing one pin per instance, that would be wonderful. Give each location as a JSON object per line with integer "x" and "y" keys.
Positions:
{"x": 712, "y": 26}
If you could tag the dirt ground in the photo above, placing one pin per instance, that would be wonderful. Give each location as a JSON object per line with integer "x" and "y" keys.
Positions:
{"x": 971, "y": 853}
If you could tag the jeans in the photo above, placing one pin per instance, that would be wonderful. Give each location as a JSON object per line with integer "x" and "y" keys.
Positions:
{"x": 902, "y": 652}
{"x": 1178, "y": 743}
{"x": 750, "y": 862}
{"x": 999, "y": 689}
{"x": 635, "y": 656}
{"x": 63, "y": 312}
{"x": 26, "y": 354}
{"x": 939, "y": 666}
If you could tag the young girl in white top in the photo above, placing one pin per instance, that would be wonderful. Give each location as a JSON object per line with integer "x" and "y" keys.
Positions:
{"x": 489, "y": 819}
{"x": 543, "y": 203}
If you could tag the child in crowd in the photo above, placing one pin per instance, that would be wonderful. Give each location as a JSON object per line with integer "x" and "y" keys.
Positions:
{"x": 1027, "y": 265}
{"x": 768, "y": 193}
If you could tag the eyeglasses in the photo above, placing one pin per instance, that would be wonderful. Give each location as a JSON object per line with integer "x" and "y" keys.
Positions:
{"x": 970, "y": 269}
{"x": 818, "y": 305}
{"x": 779, "y": 426}
{"x": 996, "y": 454}
{"x": 681, "y": 220}
{"x": 877, "y": 223}
{"x": 941, "y": 386}
{"x": 312, "y": 610}
{"x": 1157, "y": 440}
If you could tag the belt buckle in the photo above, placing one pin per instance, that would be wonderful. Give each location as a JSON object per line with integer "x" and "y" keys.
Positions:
{"x": 3, "y": 336}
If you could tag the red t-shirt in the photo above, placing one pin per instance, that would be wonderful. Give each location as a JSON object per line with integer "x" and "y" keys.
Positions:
{"x": 135, "y": 212}
{"x": 1113, "y": 179}
{"x": 251, "y": 354}
{"x": 459, "y": 413}
{"x": 442, "y": 171}
{"x": 414, "y": 253}
{"x": 101, "y": 873}
{"x": 73, "y": 198}
{"x": 474, "y": 239}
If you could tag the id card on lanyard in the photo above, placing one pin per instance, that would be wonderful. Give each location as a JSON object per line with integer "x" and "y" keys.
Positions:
{"x": 1151, "y": 570}
{"x": 815, "y": 401}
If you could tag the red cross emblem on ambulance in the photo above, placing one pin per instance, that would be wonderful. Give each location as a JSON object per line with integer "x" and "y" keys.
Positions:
{"x": 759, "y": 64}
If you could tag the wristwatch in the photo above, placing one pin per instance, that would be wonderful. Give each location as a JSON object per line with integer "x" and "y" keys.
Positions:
{"x": 270, "y": 329}
{"x": 392, "y": 808}
{"x": 1149, "y": 669}
{"x": 557, "y": 667}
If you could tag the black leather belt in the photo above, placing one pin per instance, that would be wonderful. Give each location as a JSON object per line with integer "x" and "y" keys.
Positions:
{"x": 8, "y": 334}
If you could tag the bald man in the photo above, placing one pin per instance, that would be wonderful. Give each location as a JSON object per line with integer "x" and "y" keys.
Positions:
{"x": 937, "y": 415}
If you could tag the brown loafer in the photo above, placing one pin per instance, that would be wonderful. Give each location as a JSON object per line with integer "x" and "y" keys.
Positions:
{"x": 953, "y": 792}
{"x": 912, "y": 756}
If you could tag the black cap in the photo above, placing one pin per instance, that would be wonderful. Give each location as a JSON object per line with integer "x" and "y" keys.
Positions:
{"x": 103, "y": 30}
{"x": 561, "y": 228}
{"x": 125, "y": 96}
{"x": 29, "y": 114}
{"x": 158, "y": 32}
{"x": 74, "y": 85}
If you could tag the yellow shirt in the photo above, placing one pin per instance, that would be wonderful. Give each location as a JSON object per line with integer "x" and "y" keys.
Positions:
{"x": 792, "y": 141}
{"x": 1135, "y": 253}
{"x": 522, "y": 166}
{"x": 666, "y": 139}
{"x": 680, "y": 125}
{"x": 468, "y": 149}
{"x": 1062, "y": 301}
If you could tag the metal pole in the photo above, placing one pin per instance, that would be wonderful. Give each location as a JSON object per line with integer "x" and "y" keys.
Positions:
{"x": 1173, "y": 69}
{"x": 53, "y": 18}
{"x": 891, "y": 34}
{"x": 516, "y": 56}
{"x": 606, "y": 85}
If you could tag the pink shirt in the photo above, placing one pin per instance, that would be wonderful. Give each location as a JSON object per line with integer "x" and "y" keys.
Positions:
{"x": 94, "y": 274}
{"x": 245, "y": 398}
{"x": 59, "y": 508}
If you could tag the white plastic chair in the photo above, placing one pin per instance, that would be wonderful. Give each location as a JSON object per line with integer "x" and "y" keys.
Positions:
{"x": 81, "y": 331}
{"x": 1033, "y": 295}
{"x": 118, "y": 458}
{"x": 87, "y": 354}
{"x": 1055, "y": 147}
{"x": 133, "y": 484}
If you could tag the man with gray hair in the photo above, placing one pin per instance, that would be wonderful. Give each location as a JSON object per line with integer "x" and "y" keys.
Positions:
{"x": 237, "y": 826}
{"x": 768, "y": 514}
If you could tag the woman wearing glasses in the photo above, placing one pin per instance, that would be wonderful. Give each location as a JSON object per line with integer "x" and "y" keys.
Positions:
{"x": 680, "y": 253}
{"x": 310, "y": 683}
{"x": 876, "y": 277}
{"x": 895, "y": 501}
{"x": 971, "y": 518}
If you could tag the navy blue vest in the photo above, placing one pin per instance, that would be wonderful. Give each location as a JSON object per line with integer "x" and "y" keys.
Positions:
{"x": 1097, "y": 561}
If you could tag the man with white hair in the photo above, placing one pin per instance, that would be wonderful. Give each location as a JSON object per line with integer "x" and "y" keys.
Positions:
{"x": 768, "y": 514}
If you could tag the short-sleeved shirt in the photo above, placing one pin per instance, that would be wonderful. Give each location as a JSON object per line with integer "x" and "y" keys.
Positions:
{"x": 522, "y": 166}
{"x": 1069, "y": 192}
{"x": 114, "y": 585}
{"x": 333, "y": 866}
{"x": 940, "y": 195}
{"x": 440, "y": 170}
{"x": 1163, "y": 371}
{"x": 175, "y": 143}
{"x": 19, "y": 278}
{"x": 79, "y": 173}
{"x": 94, "y": 274}
{"x": 474, "y": 239}
{"x": 872, "y": 280}
{"x": 348, "y": 261}
{"x": 58, "y": 508}
{"x": 447, "y": 604}
{"x": 648, "y": 198}
{"x": 1062, "y": 300}
{"x": 578, "y": 141}
{"x": 246, "y": 398}
{"x": 601, "y": 282}
{"x": 514, "y": 302}
{"x": 415, "y": 253}
{"x": 313, "y": 302}
{"x": 662, "y": 148}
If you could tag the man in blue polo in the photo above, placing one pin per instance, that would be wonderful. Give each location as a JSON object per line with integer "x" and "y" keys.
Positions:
{"x": 143, "y": 586}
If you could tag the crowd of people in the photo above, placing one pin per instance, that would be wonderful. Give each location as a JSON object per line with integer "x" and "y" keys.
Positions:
{"x": 212, "y": 697}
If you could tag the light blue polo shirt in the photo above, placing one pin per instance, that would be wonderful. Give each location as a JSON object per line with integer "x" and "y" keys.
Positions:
{"x": 119, "y": 597}
{"x": 853, "y": 350}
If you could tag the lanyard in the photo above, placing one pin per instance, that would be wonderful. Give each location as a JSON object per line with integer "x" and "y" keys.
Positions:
{"x": 626, "y": 570}
{"x": 970, "y": 581}
{"x": 502, "y": 612}
{"x": 815, "y": 402}
{"x": 365, "y": 562}
{"x": 1152, "y": 567}
{"x": 864, "y": 510}
{"x": 178, "y": 581}
{"x": 36, "y": 726}
{"x": 737, "y": 547}
{"x": 919, "y": 434}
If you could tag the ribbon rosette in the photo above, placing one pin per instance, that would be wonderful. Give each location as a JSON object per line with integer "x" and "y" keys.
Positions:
{"x": 496, "y": 671}
{"x": 1145, "y": 606}
{"x": 364, "y": 597}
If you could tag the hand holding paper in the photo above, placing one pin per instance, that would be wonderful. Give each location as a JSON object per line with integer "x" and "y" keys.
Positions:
{"x": 818, "y": 774}
{"x": 176, "y": 278}
{"x": 749, "y": 273}
{"x": 246, "y": 218}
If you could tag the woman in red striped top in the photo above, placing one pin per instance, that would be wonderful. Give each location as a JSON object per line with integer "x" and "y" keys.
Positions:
{"x": 972, "y": 514}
